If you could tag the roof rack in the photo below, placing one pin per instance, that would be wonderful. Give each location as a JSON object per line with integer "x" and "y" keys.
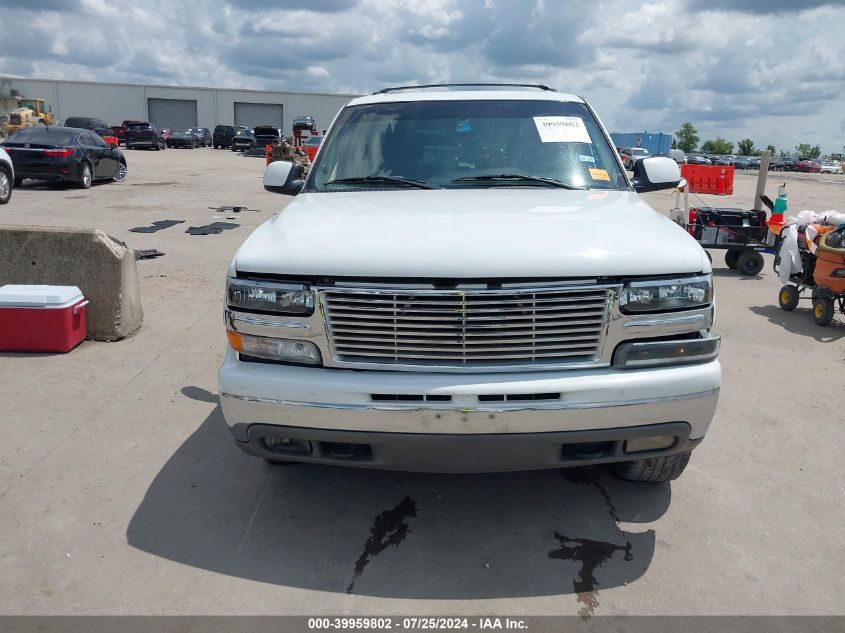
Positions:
{"x": 474, "y": 85}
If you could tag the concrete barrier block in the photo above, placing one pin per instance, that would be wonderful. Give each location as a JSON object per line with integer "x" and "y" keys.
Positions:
{"x": 88, "y": 258}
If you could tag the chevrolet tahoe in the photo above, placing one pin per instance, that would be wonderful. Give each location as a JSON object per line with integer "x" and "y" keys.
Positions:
{"x": 468, "y": 281}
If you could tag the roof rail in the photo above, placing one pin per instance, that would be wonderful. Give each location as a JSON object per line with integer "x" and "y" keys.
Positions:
{"x": 473, "y": 85}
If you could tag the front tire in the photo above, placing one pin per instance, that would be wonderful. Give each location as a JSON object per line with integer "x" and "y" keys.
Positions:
{"x": 730, "y": 259}
{"x": 18, "y": 182}
{"x": 120, "y": 176}
{"x": 823, "y": 310}
{"x": 788, "y": 298}
{"x": 5, "y": 186}
{"x": 653, "y": 469}
{"x": 86, "y": 177}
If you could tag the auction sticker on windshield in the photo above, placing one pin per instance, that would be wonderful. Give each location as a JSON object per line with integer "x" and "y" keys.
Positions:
{"x": 562, "y": 129}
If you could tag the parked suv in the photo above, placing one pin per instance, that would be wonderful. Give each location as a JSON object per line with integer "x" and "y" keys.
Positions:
{"x": 630, "y": 155}
{"x": 468, "y": 281}
{"x": 267, "y": 135}
{"x": 223, "y": 135}
{"x": 144, "y": 135}
{"x": 202, "y": 134}
{"x": 89, "y": 123}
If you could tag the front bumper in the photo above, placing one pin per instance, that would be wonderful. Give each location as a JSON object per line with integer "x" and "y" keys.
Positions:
{"x": 465, "y": 434}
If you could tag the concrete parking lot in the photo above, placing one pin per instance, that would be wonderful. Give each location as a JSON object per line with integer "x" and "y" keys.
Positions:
{"x": 121, "y": 491}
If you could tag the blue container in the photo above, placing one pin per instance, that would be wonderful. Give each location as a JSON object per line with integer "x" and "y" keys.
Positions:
{"x": 657, "y": 143}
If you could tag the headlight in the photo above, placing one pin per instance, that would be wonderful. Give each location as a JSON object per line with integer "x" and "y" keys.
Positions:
{"x": 269, "y": 296}
{"x": 661, "y": 295}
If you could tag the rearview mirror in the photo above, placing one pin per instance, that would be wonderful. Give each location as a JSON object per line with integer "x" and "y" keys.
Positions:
{"x": 655, "y": 173}
{"x": 283, "y": 177}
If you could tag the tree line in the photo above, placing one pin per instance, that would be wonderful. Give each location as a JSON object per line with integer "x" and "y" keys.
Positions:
{"x": 686, "y": 139}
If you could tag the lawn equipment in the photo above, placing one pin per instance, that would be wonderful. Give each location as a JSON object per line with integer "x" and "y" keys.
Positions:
{"x": 811, "y": 261}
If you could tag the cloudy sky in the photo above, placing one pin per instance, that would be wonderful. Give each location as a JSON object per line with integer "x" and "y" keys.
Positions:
{"x": 773, "y": 70}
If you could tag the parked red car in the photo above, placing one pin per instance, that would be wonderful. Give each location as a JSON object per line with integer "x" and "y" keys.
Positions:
{"x": 808, "y": 166}
{"x": 166, "y": 133}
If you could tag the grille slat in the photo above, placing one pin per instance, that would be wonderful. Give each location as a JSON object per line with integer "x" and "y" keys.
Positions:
{"x": 466, "y": 329}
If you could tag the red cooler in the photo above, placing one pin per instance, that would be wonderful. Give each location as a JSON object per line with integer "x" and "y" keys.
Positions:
{"x": 41, "y": 318}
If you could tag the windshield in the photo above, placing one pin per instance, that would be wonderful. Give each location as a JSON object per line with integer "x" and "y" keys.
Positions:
{"x": 463, "y": 143}
{"x": 139, "y": 126}
{"x": 638, "y": 151}
{"x": 246, "y": 133}
{"x": 314, "y": 141}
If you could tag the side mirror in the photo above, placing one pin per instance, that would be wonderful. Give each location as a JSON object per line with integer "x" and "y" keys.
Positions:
{"x": 283, "y": 177}
{"x": 655, "y": 173}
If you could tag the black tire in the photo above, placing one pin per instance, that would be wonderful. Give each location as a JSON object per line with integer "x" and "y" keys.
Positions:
{"x": 788, "y": 298}
{"x": 666, "y": 468}
{"x": 86, "y": 177}
{"x": 730, "y": 258}
{"x": 749, "y": 263}
{"x": 120, "y": 176}
{"x": 823, "y": 309}
{"x": 6, "y": 185}
{"x": 18, "y": 182}
{"x": 157, "y": 147}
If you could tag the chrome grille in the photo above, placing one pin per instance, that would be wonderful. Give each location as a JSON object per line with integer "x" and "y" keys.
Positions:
{"x": 466, "y": 329}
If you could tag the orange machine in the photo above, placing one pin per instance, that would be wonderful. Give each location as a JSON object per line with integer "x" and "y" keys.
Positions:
{"x": 822, "y": 251}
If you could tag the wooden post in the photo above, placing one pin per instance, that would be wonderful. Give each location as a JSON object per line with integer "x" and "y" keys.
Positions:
{"x": 761, "y": 179}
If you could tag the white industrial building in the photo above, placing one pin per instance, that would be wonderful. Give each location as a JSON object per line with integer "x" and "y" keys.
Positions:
{"x": 175, "y": 107}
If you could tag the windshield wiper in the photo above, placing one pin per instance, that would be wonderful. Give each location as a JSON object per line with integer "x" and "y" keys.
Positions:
{"x": 522, "y": 177}
{"x": 408, "y": 182}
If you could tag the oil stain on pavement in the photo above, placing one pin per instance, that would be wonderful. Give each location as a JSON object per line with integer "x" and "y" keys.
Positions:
{"x": 389, "y": 528}
{"x": 590, "y": 553}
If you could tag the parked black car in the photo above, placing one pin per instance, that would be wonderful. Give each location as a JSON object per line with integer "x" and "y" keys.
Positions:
{"x": 202, "y": 134}
{"x": 267, "y": 135}
{"x": 62, "y": 154}
{"x": 243, "y": 140}
{"x": 144, "y": 135}
{"x": 183, "y": 139}
{"x": 89, "y": 123}
{"x": 698, "y": 159}
{"x": 223, "y": 135}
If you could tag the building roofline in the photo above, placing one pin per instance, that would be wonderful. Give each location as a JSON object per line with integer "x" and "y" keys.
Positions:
{"x": 139, "y": 85}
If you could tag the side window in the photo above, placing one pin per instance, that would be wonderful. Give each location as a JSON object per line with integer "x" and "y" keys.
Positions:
{"x": 87, "y": 139}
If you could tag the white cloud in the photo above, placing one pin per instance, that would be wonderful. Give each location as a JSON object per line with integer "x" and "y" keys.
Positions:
{"x": 761, "y": 68}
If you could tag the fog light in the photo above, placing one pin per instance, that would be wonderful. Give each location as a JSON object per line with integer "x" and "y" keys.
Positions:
{"x": 649, "y": 443}
{"x": 287, "y": 445}
{"x": 655, "y": 353}
{"x": 285, "y": 350}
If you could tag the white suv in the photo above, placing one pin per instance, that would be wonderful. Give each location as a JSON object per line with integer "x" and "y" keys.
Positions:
{"x": 467, "y": 281}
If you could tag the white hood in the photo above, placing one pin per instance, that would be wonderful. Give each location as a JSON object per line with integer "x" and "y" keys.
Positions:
{"x": 470, "y": 233}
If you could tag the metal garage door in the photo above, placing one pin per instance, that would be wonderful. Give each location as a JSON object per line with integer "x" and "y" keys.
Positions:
{"x": 177, "y": 114}
{"x": 252, "y": 114}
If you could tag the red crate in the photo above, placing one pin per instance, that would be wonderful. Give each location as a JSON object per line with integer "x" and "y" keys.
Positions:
{"x": 709, "y": 179}
{"x": 41, "y": 318}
